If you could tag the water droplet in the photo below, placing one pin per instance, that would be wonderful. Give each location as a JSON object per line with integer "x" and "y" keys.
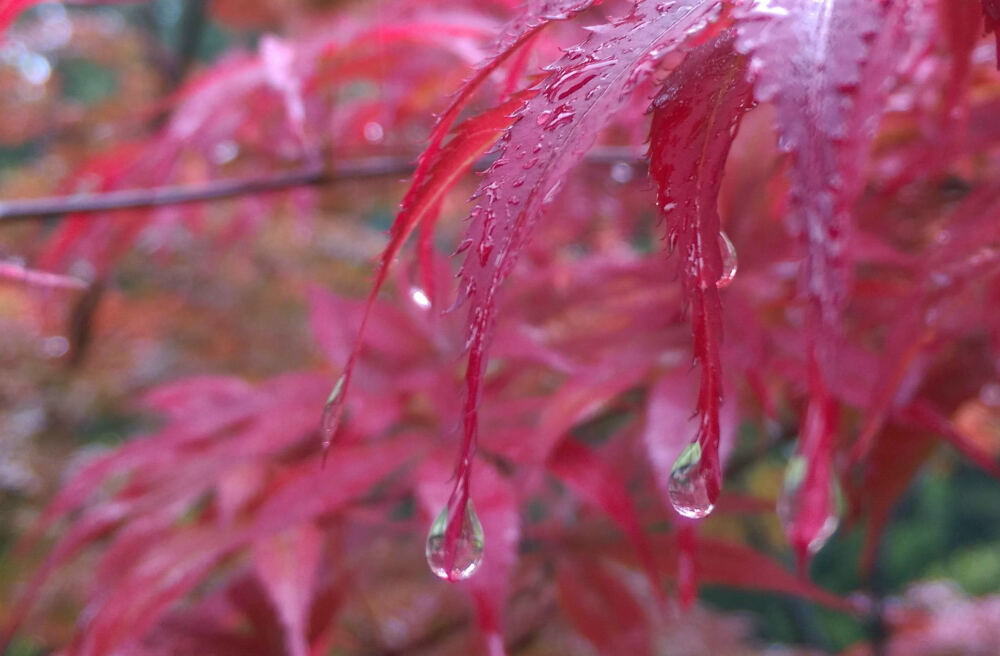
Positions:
{"x": 225, "y": 151}
{"x": 55, "y": 347}
{"x": 621, "y": 172}
{"x": 730, "y": 263}
{"x": 34, "y": 68}
{"x": 484, "y": 249}
{"x": 814, "y": 531}
{"x": 688, "y": 487}
{"x": 373, "y": 131}
{"x": 673, "y": 237}
{"x": 990, "y": 394}
{"x": 330, "y": 420}
{"x": 563, "y": 114}
{"x": 419, "y": 297}
{"x": 572, "y": 79}
{"x": 551, "y": 194}
{"x": 468, "y": 548}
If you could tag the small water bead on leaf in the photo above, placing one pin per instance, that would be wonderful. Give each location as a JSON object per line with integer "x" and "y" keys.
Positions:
{"x": 730, "y": 263}
{"x": 420, "y": 298}
{"x": 330, "y": 420}
{"x": 688, "y": 487}
{"x": 468, "y": 552}
{"x": 817, "y": 532}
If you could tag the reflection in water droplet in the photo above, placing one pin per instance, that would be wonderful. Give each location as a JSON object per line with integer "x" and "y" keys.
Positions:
{"x": 790, "y": 505}
{"x": 729, "y": 262}
{"x": 468, "y": 548}
{"x": 419, "y": 297}
{"x": 688, "y": 487}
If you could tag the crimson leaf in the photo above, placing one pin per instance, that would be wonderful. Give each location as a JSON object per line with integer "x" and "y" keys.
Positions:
{"x": 695, "y": 119}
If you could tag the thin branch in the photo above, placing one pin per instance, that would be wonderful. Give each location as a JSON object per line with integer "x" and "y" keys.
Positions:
{"x": 17, "y": 210}
{"x": 365, "y": 168}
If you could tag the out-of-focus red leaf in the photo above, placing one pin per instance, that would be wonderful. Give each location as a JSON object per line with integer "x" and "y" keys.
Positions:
{"x": 83, "y": 533}
{"x": 895, "y": 458}
{"x": 284, "y": 72}
{"x": 808, "y": 527}
{"x": 9, "y": 9}
{"x": 735, "y": 565}
{"x": 821, "y": 64}
{"x": 577, "y": 401}
{"x": 601, "y": 606}
{"x": 687, "y": 574}
{"x": 124, "y": 613}
{"x": 287, "y": 564}
{"x": 15, "y": 272}
{"x": 952, "y": 270}
{"x": 962, "y": 28}
{"x": 586, "y": 474}
{"x": 497, "y": 507}
{"x": 695, "y": 119}
{"x": 924, "y": 415}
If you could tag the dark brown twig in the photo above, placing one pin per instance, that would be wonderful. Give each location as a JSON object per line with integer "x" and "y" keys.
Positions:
{"x": 365, "y": 168}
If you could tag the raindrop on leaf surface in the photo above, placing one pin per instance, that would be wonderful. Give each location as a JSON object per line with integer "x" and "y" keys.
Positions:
{"x": 468, "y": 549}
{"x": 330, "y": 420}
{"x": 729, "y": 262}
{"x": 688, "y": 486}
{"x": 420, "y": 298}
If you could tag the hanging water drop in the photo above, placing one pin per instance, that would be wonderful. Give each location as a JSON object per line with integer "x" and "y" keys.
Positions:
{"x": 468, "y": 548}
{"x": 729, "y": 262}
{"x": 815, "y": 528}
{"x": 688, "y": 487}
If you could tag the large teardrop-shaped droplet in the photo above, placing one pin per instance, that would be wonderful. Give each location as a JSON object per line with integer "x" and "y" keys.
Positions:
{"x": 688, "y": 487}
{"x": 468, "y": 551}
{"x": 729, "y": 261}
{"x": 814, "y": 528}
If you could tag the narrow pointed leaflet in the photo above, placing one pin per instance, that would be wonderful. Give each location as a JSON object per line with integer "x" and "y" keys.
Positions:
{"x": 516, "y": 37}
{"x": 695, "y": 119}
{"x": 471, "y": 139}
{"x": 824, "y": 65}
{"x": 817, "y": 62}
{"x": 809, "y": 505}
{"x": 555, "y": 129}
